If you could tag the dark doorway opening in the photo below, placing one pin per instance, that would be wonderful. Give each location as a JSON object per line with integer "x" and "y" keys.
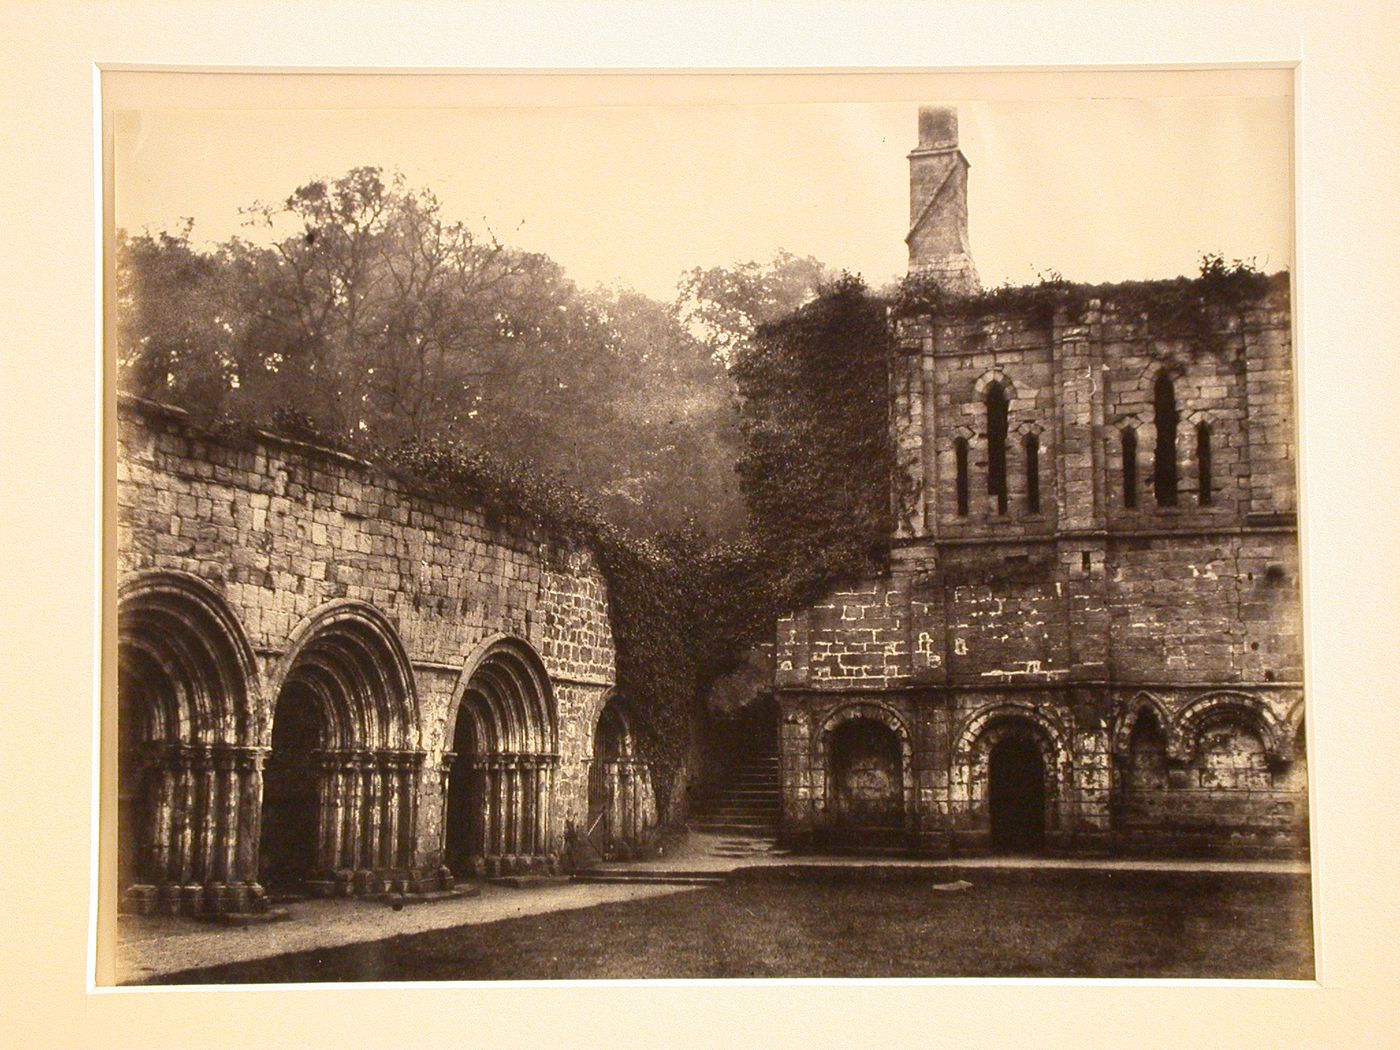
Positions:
{"x": 466, "y": 803}
{"x": 133, "y": 833}
{"x": 608, "y": 747}
{"x": 288, "y": 847}
{"x": 1017, "y": 795}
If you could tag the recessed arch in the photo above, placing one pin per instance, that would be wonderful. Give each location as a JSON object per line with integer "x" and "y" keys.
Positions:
{"x": 187, "y": 755}
{"x": 998, "y": 377}
{"x": 502, "y": 751}
{"x": 1025, "y": 741}
{"x": 975, "y": 727}
{"x": 351, "y": 653}
{"x": 869, "y": 741}
{"x": 621, "y": 800}
{"x": 179, "y": 623}
{"x": 340, "y": 797}
{"x": 1210, "y": 710}
{"x": 1132, "y": 711}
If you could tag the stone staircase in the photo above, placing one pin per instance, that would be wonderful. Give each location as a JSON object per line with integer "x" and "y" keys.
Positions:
{"x": 748, "y": 804}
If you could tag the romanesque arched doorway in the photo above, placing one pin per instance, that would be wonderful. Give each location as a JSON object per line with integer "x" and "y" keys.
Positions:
{"x": 187, "y": 757}
{"x": 1016, "y": 794}
{"x": 1010, "y": 768}
{"x": 866, "y": 793}
{"x": 501, "y": 764}
{"x": 621, "y": 806}
{"x": 339, "y": 809}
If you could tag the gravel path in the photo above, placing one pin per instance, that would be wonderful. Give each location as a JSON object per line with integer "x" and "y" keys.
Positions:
{"x": 701, "y": 852}
{"x": 152, "y": 946}
{"x": 147, "y": 947}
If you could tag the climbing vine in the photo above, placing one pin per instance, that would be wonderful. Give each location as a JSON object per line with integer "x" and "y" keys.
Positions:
{"x": 817, "y": 468}
{"x": 817, "y": 474}
{"x": 1187, "y": 308}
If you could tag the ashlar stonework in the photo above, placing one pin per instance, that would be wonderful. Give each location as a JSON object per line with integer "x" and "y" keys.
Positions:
{"x": 1090, "y": 634}
{"x": 332, "y": 684}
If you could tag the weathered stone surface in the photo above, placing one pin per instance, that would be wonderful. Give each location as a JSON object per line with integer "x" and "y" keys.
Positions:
{"x": 290, "y": 545}
{"x": 1061, "y": 624}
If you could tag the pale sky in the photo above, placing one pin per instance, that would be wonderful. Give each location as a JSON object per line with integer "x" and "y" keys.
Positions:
{"x": 1096, "y": 189}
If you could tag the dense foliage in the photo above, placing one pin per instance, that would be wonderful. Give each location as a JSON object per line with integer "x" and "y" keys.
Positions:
{"x": 816, "y": 471}
{"x": 363, "y": 313}
{"x": 1179, "y": 307}
{"x": 373, "y": 325}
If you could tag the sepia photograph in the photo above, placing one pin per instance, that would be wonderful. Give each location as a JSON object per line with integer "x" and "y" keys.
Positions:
{"x": 703, "y": 525}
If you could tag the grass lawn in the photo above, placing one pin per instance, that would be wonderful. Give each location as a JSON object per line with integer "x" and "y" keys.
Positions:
{"x": 1040, "y": 923}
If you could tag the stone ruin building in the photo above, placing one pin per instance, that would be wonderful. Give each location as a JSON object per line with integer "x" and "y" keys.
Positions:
{"x": 330, "y": 683}
{"x": 1089, "y": 636}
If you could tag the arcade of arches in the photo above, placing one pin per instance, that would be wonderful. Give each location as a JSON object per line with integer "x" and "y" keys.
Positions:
{"x": 330, "y": 683}
{"x": 1180, "y": 774}
{"x": 306, "y": 775}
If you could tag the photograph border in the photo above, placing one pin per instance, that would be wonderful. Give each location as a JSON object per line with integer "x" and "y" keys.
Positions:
{"x": 1335, "y": 113}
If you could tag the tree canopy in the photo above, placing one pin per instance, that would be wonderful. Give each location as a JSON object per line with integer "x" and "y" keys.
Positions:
{"x": 364, "y": 315}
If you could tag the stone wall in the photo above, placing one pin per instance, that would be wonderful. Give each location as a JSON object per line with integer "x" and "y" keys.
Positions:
{"x": 1057, "y": 623}
{"x": 287, "y": 538}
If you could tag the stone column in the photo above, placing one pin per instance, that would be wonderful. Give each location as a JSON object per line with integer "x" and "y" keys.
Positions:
{"x": 513, "y": 802}
{"x": 183, "y": 812}
{"x": 446, "y": 771}
{"x": 206, "y": 810}
{"x": 542, "y": 804}
{"x": 532, "y": 808}
{"x": 634, "y": 802}
{"x": 486, "y": 767}
{"x": 374, "y": 798}
{"x": 551, "y": 778}
{"x": 498, "y": 837}
{"x": 352, "y": 851}
{"x": 226, "y": 870}
{"x": 392, "y": 768}
{"x": 328, "y": 767}
{"x": 250, "y": 766}
{"x": 155, "y": 868}
{"x": 412, "y": 782}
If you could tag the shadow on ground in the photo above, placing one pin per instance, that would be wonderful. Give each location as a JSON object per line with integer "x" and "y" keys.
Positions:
{"x": 860, "y": 922}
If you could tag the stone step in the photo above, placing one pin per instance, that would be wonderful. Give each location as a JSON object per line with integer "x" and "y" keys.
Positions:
{"x": 651, "y": 878}
{"x": 246, "y": 918}
{"x": 718, "y": 827}
{"x": 458, "y": 891}
{"x": 530, "y": 882}
{"x": 739, "y": 813}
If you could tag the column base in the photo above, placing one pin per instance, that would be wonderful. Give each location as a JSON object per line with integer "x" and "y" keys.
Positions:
{"x": 193, "y": 899}
{"x": 372, "y": 882}
{"x": 492, "y": 867}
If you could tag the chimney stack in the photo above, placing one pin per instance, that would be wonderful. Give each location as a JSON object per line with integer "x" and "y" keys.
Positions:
{"x": 937, "y": 239}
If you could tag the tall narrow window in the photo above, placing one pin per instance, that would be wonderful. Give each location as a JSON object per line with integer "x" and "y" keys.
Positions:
{"x": 1164, "y": 456}
{"x": 996, "y": 445}
{"x": 1203, "y": 475}
{"x": 960, "y": 450}
{"x": 1032, "y": 474}
{"x": 1129, "y": 467}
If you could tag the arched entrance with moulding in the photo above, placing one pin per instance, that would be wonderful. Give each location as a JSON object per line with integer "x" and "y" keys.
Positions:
{"x": 1142, "y": 799}
{"x": 187, "y": 750}
{"x": 501, "y": 763}
{"x": 1011, "y": 759}
{"x": 340, "y": 798}
{"x": 1238, "y": 770}
{"x": 621, "y": 805}
{"x": 865, "y": 752}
